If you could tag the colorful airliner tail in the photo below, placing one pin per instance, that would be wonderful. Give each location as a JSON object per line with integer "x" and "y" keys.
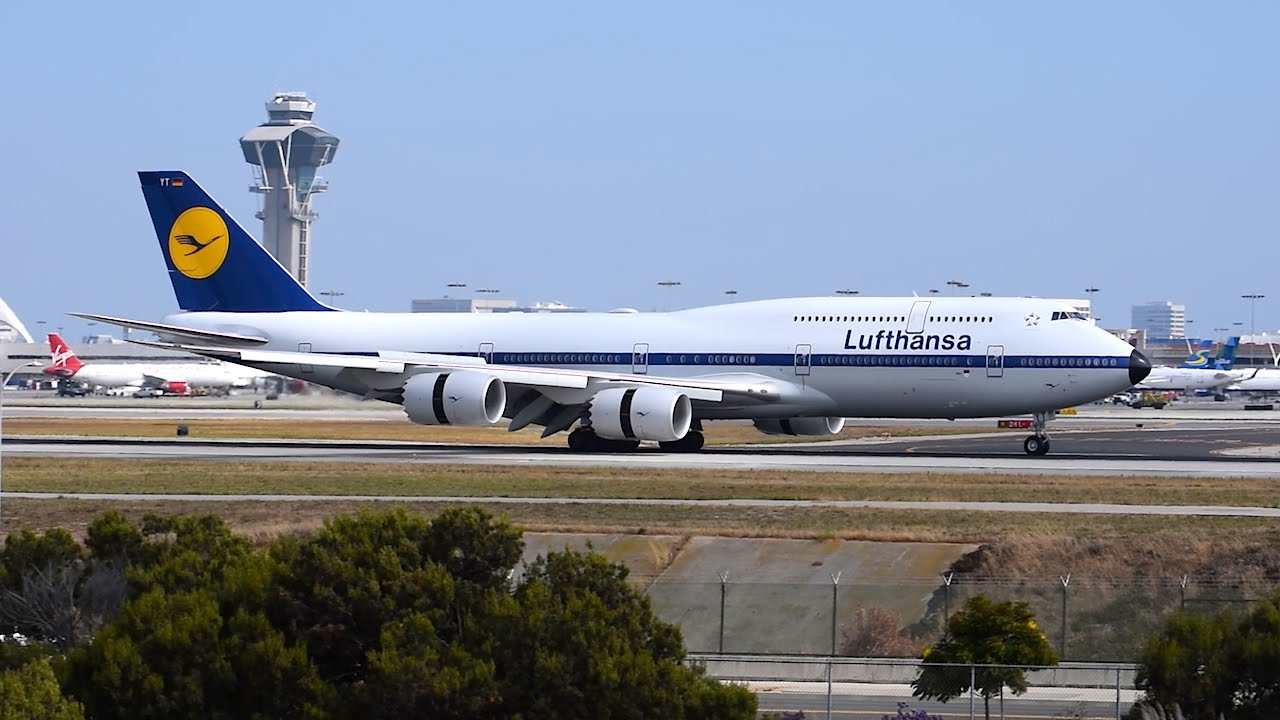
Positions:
{"x": 1201, "y": 358}
{"x": 213, "y": 263}
{"x": 65, "y": 363}
{"x": 1228, "y": 356}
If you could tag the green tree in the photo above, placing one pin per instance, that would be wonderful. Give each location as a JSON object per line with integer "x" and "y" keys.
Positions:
{"x": 584, "y": 640}
{"x": 1217, "y": 665}
{"x": 380, "y": 615}
{"x": 1002, "y": 639}
{"x": 31, "y": 692}
{"x": 180, "y": 655}
{"x": 41, "y": 576}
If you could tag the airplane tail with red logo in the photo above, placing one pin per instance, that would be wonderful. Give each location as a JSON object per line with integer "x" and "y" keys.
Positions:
{"x": 65, "y": 363}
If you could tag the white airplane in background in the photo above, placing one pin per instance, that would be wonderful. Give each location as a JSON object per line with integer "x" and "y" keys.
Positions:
{"x": 176, "y": 378}
{"x": 1199, "y": 372}
{"x": 795, "y": 366}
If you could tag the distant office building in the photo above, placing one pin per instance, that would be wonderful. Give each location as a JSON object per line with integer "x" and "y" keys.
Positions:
{"x": 461, "y": 305}
{"x": 286, "y": 153}
{"x": 1081, "y": 306}
{"x": 488, "y": 305}
{"x": 1161, "y": 319}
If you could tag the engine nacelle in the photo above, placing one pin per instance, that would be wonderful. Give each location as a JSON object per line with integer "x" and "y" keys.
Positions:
{"x": 644, "y": 413}
{"x": 461, "y": 397}
{"x": 814, "y": 426}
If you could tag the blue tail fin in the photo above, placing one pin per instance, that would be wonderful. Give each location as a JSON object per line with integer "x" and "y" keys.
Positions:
{"x": 213, "y": 263}
{"x": 1228, "y": 356}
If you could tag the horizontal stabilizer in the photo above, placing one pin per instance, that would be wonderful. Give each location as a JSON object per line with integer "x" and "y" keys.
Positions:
{"x": 174, "y": 330}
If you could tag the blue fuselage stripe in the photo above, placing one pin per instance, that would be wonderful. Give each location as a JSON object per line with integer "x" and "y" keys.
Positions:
{"x": 659, "y": 359}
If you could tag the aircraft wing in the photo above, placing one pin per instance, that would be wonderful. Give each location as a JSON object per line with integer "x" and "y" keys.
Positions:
{"x": 388, "y": 370}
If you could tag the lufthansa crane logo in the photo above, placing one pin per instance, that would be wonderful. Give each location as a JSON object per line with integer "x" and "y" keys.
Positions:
{"x": 198, "y": 242}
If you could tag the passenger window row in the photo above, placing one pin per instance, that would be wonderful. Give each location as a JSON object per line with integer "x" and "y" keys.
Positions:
{"x": 896, "y": 318}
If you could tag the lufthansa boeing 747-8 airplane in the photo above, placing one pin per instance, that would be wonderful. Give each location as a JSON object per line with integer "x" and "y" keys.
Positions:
{"x": 793, "y": 366}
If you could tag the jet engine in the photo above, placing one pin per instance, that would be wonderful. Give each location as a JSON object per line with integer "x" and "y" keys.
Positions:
{"x": 644, "y": 413}
{"x": 815, "y": 426}
{"x": 461, "y": 397}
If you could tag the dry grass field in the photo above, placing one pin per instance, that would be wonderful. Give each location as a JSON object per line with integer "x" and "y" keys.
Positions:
{"x": 220, "y": 477}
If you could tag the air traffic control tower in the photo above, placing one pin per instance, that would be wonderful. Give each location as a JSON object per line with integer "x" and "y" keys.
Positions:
{"x": 286, "y": 152}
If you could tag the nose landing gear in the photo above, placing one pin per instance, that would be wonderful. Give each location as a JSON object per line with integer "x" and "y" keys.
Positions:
{"x": 1038, "y": 444}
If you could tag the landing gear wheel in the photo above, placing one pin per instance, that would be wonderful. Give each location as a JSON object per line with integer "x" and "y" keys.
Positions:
{"x": 584, "y": 440}
{"x": 581, "y": 440}
{"x": 1036, "y": 445}
{"x": 691, "y": 442}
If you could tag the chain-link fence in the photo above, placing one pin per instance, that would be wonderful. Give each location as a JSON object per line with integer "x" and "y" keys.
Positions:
{"x": 847, "y": 687}
{"x": 1085, "y": 619}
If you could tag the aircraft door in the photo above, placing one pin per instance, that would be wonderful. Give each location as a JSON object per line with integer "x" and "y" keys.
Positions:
{"x": 486, "y": 352}
{"x": 305, "y": 348}
{"x": 640, "y": 359}
{"x": 919, "y": 313}
{"x": 804, "y": 359}
{"x": 995, "y": 361}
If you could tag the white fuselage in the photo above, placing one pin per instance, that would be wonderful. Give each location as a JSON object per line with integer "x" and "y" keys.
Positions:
{"x": 1190, "y": 379}
{"x": 1267, "y": 379}
{"x": 849, "y": 357}
{"x": 213, "y": 375}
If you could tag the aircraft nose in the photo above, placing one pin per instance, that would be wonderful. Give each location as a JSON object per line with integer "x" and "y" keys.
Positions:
{"x": 1139, "y": 367}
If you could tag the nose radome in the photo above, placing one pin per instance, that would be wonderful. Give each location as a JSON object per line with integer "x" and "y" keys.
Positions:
{"x": 1139, "y": 367}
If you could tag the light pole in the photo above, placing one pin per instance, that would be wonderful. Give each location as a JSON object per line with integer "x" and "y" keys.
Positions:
{"x": 670, "y": 285}
{"x": 1219, "y": 335}
{"x": 331, "y": 294}
{"x": 1253, "y": 298}
{"x": 1090, "y": 291}
{"x": 846, "y": 291}
{"x": 7, "y": 378}
{"x": 934, "y": 291}
{"x": 730, "y": 294}
{"x": 957, "y": 284}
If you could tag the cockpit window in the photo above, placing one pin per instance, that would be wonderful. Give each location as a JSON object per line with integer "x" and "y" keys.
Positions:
{"x": 1068, "y": 315}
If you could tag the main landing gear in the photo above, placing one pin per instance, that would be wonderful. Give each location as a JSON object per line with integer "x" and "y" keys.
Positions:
{"x": 584, "y": 439}
{"x": 1038, "y": 444}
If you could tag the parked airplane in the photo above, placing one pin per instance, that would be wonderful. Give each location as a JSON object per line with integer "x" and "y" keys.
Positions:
{"x": 176, "y": 378}
{"x": 793, "y": 366}
{"x": 1199, "y": 372}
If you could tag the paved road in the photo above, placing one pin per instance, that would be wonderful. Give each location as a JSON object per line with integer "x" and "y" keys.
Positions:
{"x": 850, "y": 700}
{"x": 1198, "y": 452}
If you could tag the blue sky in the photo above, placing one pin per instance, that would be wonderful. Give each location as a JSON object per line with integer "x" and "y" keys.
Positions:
{"x": 585, "y": 152}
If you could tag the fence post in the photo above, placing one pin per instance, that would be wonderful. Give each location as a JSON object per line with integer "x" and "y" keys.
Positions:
{"x": 835, "y": 590}
{"x": 830, "y": 661}
{"x": 1062, "y": 645}
{"x": 973, "y": 680}
{"x": 1117, "y": 692}
{"x": 1182, "y": 595}
{"x": 723, "y": 575}
{"x": 946, "y": 600}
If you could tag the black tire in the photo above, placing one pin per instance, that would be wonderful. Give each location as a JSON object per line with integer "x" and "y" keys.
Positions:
{"x": 582, "y": 440}
{"x": 1035, "y": 445}
{"x": 691, "y": 442}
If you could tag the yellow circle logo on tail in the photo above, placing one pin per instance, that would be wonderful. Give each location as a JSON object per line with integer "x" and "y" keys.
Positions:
{"x": 198, "y": 242}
